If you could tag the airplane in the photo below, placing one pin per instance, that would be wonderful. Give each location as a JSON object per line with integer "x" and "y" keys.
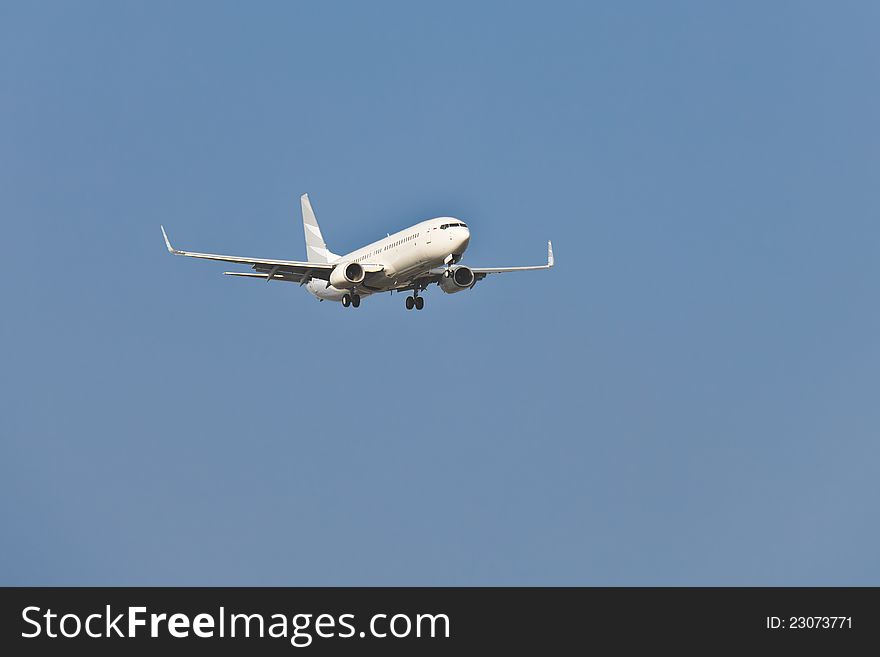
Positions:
{"x": 410, "y": 260}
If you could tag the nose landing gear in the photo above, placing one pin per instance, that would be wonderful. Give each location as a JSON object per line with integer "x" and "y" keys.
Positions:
{"x": 415, "y": 301}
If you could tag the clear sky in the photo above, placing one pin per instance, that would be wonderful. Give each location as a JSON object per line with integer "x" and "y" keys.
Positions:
{"x": 690, "y": 397}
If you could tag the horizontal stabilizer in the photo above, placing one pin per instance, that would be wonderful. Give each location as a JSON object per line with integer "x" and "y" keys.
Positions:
{"x": 290, "y": 278}
{"x": 245, "y": 274}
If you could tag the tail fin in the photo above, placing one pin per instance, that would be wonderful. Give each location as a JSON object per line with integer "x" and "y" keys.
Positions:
{"x": 316, "y": 250}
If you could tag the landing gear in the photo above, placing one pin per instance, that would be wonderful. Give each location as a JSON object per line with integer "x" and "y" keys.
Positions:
{"x": 415, "y": 301}
{"x": 351, "y": 300}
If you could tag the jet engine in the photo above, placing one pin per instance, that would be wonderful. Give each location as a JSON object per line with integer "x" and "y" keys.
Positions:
{"x": 345, "y": 276}
{"x": 456, "y": 279}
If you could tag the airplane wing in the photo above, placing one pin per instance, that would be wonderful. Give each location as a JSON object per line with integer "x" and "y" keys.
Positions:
{"x": 434, "y": 275}
{"x": 481, "y": 272}
{"x": 271, "y": 269}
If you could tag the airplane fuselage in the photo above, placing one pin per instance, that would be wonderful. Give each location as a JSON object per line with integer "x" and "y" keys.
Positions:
{"x": 403, "y": 256}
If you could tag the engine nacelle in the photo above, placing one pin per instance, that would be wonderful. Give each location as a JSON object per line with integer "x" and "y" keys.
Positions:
{"x": 460, "y": 278}
{"x": 347, "y": 275}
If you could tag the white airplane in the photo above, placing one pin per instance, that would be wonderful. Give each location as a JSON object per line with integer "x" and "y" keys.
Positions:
{"x": 410, "y": 260}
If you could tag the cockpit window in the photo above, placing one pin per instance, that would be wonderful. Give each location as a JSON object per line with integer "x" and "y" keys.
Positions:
{"x": 445, "y": 226}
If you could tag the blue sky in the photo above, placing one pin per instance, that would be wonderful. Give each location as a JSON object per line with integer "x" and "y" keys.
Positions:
{"x": 688, "y": 398}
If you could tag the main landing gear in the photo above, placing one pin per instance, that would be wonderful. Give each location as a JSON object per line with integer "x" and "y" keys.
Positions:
{"x": 415, "y": 300}
{"x": 351, "y": 300}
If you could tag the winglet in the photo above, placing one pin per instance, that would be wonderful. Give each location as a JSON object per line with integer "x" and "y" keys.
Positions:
{"x": 171, "y": 249}
{"x": 549, "y": 253}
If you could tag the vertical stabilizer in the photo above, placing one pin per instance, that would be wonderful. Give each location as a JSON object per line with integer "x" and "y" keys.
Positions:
{"x": 316, "y": 250}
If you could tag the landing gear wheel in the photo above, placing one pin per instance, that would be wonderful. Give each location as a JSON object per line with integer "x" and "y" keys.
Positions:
{"x": 346, "y": 300}
{"x": 356, "y": 300}
{"x": 409, "y": 303}
{"x": 420, "y": 303}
